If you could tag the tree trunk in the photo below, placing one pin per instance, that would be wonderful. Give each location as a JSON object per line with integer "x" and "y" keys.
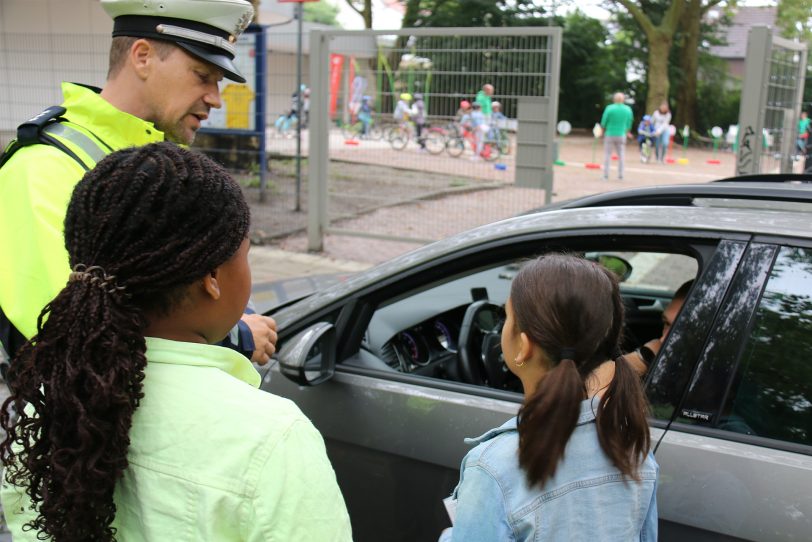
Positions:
{"x": 689, "y": 63}
{"x": 659, "y": 45}
{"x": 368, "y": 14}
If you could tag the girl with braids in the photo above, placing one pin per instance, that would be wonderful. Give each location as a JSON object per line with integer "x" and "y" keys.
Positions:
{"x": 133, "y": 425}
{"x": 575, "y": 464}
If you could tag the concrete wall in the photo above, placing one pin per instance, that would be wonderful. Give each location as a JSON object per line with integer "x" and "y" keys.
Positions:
{"x": 45, "y": 42}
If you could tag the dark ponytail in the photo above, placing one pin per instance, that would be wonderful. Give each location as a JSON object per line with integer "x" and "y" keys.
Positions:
{"x": 140, "y": 228}
{"x": 572, "y": 309}
{"x": 621, "y": 420}
{"x": 547, "y": 420}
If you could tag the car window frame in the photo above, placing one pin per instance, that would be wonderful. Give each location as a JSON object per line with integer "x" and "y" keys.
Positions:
{"x": 743, "y": 333}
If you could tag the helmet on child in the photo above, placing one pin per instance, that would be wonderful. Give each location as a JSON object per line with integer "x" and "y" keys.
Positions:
{"x": 365, "y": 98}
{"x": 496, "y": 105}
{"x": 465, "y": 104}
{"x": 418, "y": 96}
{"x": 646, "y": 118}
{"x": 406, "y": 97}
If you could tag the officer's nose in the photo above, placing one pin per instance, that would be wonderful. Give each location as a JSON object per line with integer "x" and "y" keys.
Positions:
{"x": 212, "y": 97}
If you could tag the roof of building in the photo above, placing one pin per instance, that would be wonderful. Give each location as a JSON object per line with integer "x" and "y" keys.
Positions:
{"x": 735, "y": 35}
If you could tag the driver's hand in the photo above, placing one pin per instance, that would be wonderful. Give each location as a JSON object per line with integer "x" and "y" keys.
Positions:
{"x": 263, "y": 330}
{"x": 654, "y": 345}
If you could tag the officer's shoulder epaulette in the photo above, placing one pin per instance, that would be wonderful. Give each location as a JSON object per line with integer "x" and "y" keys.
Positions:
{"x": 35, "y": 131}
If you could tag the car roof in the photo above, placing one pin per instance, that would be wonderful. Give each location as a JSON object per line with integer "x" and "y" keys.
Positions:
{"x": 758, "y": 191}
{"x": 647, "y": 219}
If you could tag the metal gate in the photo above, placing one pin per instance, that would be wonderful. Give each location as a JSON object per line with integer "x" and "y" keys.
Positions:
{"x": 372, "y": 175}
{"x": 771, "y": 103}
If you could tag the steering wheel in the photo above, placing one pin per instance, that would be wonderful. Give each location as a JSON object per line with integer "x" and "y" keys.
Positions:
{"x": 479, "y": 354}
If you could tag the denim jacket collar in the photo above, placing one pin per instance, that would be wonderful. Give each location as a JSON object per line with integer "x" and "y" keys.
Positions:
{"x": 588, "y": 409}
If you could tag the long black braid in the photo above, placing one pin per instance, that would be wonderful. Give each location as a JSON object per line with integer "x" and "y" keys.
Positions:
{"x": 156, "y": 218}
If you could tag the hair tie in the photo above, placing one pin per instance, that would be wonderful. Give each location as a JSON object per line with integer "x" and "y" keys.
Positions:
{"x": 567, "y": 352}
{"x": 95, "y": 275}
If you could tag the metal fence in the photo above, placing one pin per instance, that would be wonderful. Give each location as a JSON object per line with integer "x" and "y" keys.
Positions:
{"x": 353, "y": 176}
{"x": 773, "y": 88}
{"x": 472, "y": 167}
{"x": 32, "y": 66}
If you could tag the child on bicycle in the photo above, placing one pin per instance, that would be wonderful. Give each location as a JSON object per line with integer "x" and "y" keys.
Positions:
{"x": 402, "y": 109}
{"x": 365, "y": 116}
{"x": 645, "y": 136}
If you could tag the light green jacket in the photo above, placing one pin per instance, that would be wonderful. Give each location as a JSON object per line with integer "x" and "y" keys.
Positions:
{"x": 35, "y": 188}
{"x": 212, "y": 458}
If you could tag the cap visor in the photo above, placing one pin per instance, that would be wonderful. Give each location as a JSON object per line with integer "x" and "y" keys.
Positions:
{"x": 221, "y": 61}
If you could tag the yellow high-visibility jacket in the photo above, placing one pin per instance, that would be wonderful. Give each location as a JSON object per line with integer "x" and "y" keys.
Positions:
{"x": 35, "y": 188}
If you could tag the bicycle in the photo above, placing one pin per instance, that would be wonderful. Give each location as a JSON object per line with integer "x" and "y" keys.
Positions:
{"x": 285, "y": 125}
{"x": 456, "y": 146}
{"x": 355, "y": 130}
{"x": 433, "y": 138}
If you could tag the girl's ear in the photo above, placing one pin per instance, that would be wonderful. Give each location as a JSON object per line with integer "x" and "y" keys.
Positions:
{"x": 525, "y": 347}
{"x": 210, "y": 285}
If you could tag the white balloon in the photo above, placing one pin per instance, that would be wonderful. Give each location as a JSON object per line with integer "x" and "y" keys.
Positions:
{"x": 672, "y": 129}
{"x": 564, "y": 127}
{"x": 716, "y": 132}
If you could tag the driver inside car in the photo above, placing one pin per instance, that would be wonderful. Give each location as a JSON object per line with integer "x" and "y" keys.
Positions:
{"x": 642, "y": 358}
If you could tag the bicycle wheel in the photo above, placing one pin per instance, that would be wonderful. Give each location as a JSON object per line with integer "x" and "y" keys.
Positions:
{"x": 490, "y": 151}
{"x": 435, "y": 141}
{"x": 399, "y": 138}
{"x": 351, "y": 131}
{"x": 503, "y": 142}
{"x": 375, "y": 132}
{"x": 455, "y": 146}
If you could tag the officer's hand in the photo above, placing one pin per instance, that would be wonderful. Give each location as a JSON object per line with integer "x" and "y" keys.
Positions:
{"x": 263, "y": 329}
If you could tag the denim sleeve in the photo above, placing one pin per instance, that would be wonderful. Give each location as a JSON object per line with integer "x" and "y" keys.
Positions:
{"x": 481, "y": 512}
{"x": 649, "y": 532}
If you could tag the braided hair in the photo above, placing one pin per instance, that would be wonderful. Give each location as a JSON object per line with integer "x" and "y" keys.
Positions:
{"x": 140, "y": 228}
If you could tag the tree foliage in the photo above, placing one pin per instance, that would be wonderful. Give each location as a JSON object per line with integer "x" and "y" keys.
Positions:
{"x": 321, "y": 12}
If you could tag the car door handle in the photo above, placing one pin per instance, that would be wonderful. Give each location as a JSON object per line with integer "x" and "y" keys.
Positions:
{"x": 657, "y": 306}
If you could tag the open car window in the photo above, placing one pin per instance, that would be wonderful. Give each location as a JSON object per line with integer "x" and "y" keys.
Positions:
{"x": 419, "y": 332}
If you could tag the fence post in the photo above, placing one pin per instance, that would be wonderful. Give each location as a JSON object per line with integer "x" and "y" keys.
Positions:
{"x": 754, "y": 90}
{"x": 319, "y": 140}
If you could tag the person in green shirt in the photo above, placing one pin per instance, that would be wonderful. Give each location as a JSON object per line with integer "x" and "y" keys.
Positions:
{"x": 485, "y": 99}
{"x": 803, "y": 132}
{"x": 616, "y": 123}
{"x": 132, "y": 423}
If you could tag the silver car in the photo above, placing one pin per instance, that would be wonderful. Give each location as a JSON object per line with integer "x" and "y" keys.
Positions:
{"x": 397, "y": 365}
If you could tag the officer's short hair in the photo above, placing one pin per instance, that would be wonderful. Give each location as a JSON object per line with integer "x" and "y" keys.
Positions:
{"x": 121, "y": 46}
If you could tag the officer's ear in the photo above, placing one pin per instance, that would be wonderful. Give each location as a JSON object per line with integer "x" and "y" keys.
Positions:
{"x": 142, "y": 53}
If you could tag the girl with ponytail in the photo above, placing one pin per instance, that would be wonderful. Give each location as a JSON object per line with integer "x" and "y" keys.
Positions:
{"x": 132, "y": 424}
{"x": 575, "y": 463}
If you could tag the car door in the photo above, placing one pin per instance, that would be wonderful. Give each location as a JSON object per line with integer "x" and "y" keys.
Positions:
{"x": 396, "y": 438}
{"x": 736, "y": 456}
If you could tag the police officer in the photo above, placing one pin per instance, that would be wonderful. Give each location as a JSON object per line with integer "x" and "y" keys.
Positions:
{"x": 166, "y": 60}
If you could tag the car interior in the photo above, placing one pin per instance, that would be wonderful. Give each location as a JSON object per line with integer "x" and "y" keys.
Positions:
{"x": 450, "y": 328}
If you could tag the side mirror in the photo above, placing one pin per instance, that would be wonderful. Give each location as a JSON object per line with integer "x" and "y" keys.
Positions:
{"x": 309, "y": 358}
{"x": 617, "y": 265}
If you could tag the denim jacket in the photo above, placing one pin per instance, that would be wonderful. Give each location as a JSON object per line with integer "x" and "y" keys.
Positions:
{"x": 586, "y": 499}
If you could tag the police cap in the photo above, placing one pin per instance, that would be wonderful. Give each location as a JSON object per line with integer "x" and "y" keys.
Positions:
{"x": 208, "y": 29}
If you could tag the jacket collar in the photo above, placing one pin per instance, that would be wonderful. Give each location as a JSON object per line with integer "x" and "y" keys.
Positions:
{"x": 202, "y": 355}
{"x": 589, "y": 408}
{"x": 114, "y": 127}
